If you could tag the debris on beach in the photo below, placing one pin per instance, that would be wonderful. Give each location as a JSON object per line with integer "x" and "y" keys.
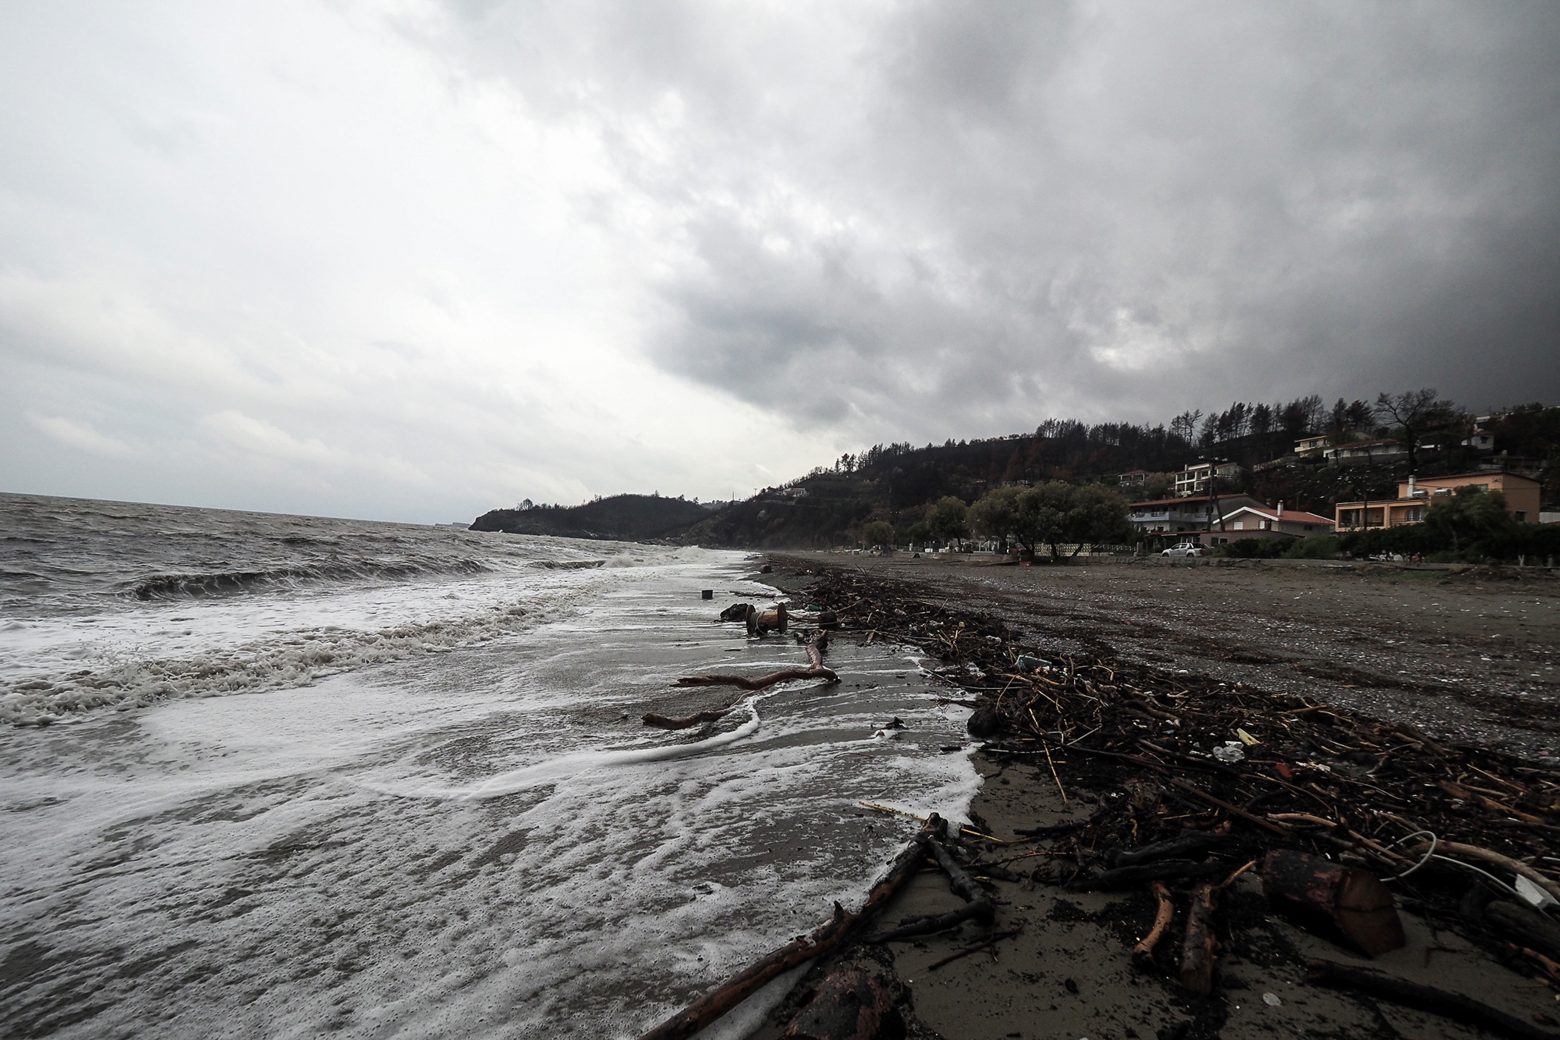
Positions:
{"x": 759, "y": 622}
{"x": 1178, "y": 785}
{"x": 815, "y": 670}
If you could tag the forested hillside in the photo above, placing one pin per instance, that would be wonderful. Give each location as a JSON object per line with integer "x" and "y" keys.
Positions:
{"x": 1255, "y": 443}
{"x": 900, "y": 483}
{"x": 624, "y": 517}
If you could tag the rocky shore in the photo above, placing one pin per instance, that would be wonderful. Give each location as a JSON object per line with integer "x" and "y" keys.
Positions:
{"x": 1426, "y": 680}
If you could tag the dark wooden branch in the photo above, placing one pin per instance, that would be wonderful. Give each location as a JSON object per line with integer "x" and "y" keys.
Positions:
{"x": 1426, "y": 998}
{"x": 815, "y": 670}
{"x": 1164, "y": 913}
{"x": 1161, "y": 870}
{"x": 761, "y": 683}
{"x": 977, "y": 904}
{"x": 824, "y": 939}
{"x": 984, "y": 944}
{"x": 1180, "y": 845}
{"x": 684, "y": 721}
{"x": 1198, "y": 949}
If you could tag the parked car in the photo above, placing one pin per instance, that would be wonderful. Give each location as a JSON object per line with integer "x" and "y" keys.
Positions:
{"x": 1184, "y": 549}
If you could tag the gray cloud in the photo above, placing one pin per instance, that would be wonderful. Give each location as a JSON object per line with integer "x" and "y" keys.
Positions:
{"x": 423, "y": 260}
{"x": 1146, "y": 208}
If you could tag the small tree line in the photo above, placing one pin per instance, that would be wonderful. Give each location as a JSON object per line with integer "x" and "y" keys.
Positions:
{"x": 1044, "y": 517}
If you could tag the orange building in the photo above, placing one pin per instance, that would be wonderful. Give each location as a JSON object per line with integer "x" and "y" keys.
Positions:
{"x": 1415, "y": 495}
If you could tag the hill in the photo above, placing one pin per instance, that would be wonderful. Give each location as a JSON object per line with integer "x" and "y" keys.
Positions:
{"x": 627, "y": 518}
{"x": 1255, "y": 445}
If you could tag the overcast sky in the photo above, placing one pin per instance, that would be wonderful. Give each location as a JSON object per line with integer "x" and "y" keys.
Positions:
{"x": 414, "y": 260}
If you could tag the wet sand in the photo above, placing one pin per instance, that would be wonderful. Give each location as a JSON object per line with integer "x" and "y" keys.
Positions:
{"x": 1469, "y": 656}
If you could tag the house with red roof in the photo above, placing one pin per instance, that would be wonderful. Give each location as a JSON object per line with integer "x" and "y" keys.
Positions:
{"x": 1270, "y": 522}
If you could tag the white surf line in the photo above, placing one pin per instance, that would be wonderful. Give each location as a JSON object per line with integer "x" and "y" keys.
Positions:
{"x": 576, "y": 763}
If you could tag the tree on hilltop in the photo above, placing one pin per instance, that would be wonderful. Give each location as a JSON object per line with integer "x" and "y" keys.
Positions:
{"x": 1414, "y": 413}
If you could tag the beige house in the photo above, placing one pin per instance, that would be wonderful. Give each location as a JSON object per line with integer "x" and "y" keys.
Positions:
{"x": 1380, "y": 450}
{"x": 1415, "y": 495}
{"x": 1270, "y": 522}
{"x": 1313, "y": 445}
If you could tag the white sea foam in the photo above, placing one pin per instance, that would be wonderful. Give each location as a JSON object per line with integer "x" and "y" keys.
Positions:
{"x": 253, "y": 866}
{"x": 122, "y": 658}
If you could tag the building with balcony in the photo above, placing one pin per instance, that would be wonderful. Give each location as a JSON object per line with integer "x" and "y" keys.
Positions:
{"x": 1380, "y": 450}
{"x": 1416, "y": 494}
{"x": 1312, "y": 446}
{"x": 1193, "y": 478}
{"x": 1177, "y": 519}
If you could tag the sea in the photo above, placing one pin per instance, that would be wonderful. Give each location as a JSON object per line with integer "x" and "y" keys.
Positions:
{"x": 286, "y": 776}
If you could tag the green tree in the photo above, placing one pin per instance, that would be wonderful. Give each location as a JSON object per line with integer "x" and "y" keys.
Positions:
{"x": 1096, "y": 516}
{"x": 878, "y": 532}
{"x": 1475, "y": 522}
{"x": 919, "y": 533}
{"x": 995, "y": 514}
{"x": 1042, "y": 515}
{"x": 948, "y": 518}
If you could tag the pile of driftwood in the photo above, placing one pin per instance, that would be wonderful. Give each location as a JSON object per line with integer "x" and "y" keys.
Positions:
{"x": 1178, "y": 785}
{"x": 1191, "y": 782}
{"x": 849, "y": 1002}
{"x": 759, "y": 624}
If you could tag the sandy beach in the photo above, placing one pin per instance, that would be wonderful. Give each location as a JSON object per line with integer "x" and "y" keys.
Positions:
{"x": 1467, "y": 656}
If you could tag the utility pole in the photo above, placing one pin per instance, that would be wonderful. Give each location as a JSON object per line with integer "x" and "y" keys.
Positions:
{"x": 1213, "y": 495}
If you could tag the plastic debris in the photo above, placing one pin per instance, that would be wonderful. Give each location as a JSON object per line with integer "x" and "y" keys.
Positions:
{"x": 1533, "y": 894}
{"x": 1233, "y": 751}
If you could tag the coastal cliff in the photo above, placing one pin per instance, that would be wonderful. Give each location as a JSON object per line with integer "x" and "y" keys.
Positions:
{"x": 621, "y": 517}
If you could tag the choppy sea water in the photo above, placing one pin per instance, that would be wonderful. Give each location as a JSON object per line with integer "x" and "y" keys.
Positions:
{"x": 310, "y": 777}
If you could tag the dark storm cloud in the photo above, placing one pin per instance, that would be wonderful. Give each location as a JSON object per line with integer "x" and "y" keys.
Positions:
{"x": 966, "y": 218}
{"x": 540, "y": 249}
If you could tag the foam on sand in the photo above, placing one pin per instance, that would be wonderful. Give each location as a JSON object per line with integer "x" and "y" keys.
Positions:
{"x": 251, "y": 866}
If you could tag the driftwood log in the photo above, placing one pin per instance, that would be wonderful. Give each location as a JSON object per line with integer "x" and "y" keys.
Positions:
{"x": 1161, "y": 870}
{"x": 759, "y": 622}
{"x": 650, "y": 718}
{"x": 822, "y": 940}
{"x": 1454, "y": 849}
{"x": 977, "y": 904}
{"x": 1534, "y": 929}
{"x": 1199, "y": 948}
{"x": 814, "y": 670}
{"x": 1352, "y": 899}
{"x": 1183, "y": 844}
{"x": 851, "y": 1003}
{"x": 1164, "y": 913}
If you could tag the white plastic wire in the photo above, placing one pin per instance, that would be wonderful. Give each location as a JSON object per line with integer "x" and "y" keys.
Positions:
{"x": 1434, "y": 841}
{"x": 1430, "y": 854}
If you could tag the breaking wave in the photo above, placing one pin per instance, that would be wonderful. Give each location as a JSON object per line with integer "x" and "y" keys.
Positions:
{"x": 295, "y": 659}
{"x": 567, "y": 565}
{"x": 216, "y": 583}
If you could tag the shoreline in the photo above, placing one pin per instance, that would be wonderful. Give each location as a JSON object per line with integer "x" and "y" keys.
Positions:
{"x": 1060, "y": 963}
